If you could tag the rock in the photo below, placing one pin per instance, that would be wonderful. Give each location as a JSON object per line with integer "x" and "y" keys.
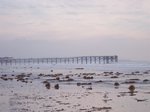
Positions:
{"x": 79, "y": 84}
{"x": 145, "y": 80}
{"x": 56, "y": 86}
{"x": 137, "y": 72}
{"x": 79, "y": 68}
{"x": 98, "y": 81}
{"x": 118, "y": 73}
{"x": 130, "y": 82}
{"x": 146, "y": 72}
{"x": 4, "y": 75}
{"x": 44, "y": 82}
{"x": 21, "y": 78}
{"x": 86, "y": 74}
{"x": 4, "y": 78}
{"x": 140, "y": 100}
{"x": 57, "y": 78}
{"x": 58, "y": 74}
{"x": 67, "y": 77}
{"x": 70, "y": 79}
{"x": 135, "y": 79}
{"x": 89, "y": 88}
{"x": 116, "y": 84}
{"x": 28, "y": 75}
{"x": 114, "y": 77}
{"x": 41, "y": 74}
{"x": 101, "y": 108}
{"x": 88, "y": 77}
{"x": 79, "y": 75}
{"x": 131, "y": 88}
{"x": 47, "y": 85}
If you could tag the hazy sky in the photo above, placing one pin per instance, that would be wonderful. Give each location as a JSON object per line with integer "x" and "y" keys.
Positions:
{"x": 49, "y": 28}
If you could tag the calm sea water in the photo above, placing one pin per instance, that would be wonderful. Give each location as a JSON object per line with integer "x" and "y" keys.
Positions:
{"x": 121, "y": 66}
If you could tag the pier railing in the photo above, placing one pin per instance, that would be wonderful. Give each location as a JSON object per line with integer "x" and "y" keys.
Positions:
{"x": 63, "y": 60}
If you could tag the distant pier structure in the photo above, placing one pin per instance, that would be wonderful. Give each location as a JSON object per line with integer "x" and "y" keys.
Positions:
{"x": 62, "y": 60}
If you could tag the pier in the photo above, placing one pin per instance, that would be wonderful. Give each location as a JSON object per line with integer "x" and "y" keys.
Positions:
{"x": 60, "y": 60}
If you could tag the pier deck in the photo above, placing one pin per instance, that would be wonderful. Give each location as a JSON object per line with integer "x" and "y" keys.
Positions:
{"x": 63, "y": 60}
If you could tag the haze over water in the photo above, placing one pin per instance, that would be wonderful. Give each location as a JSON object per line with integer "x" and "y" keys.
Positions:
{"x": 49, "y": 28}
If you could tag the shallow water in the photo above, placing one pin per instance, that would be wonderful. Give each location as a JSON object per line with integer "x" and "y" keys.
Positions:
{"x": 76, "y": 93}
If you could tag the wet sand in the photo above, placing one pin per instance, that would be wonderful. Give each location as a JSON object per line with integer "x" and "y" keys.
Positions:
{"x": 32, "y": 89}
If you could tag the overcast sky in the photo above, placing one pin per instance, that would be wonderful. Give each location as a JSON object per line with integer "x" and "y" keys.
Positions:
{"x": 49, "y": 28}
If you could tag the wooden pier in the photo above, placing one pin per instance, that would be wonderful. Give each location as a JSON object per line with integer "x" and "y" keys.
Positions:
{"x": 63, "y": 60}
